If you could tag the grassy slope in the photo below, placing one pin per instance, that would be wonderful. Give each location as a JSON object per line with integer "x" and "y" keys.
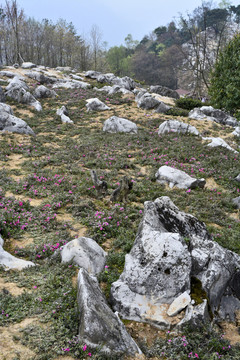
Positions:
{"x": 47, "y": 199}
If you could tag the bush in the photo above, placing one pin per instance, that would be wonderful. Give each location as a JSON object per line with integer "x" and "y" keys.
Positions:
{"x": 188, "y": 103}
{"x": 225, "y": 78}
{"x": 175, "y": 111}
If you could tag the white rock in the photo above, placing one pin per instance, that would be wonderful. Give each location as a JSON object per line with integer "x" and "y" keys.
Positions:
{"x": 115, "y": 124}
{"x": 86, "y": 253}
{"x": 179, "y": 304}
{"x": 176, "y": 126}
{"x": 218, "y": 142}
{"x": 95, "y": 104}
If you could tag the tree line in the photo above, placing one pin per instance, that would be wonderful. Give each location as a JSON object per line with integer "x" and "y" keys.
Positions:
{"x": 176, "y": 55}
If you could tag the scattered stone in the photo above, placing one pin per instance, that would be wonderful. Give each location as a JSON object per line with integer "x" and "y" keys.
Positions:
{"x": 71, "y": 84}
{"x": 99, "y": 327}
{"x": 65, "y": 68}
{"x": 16, "y": 65}
{"x": 95, "y": 104}
{"x": 115, "y": 124}
{"x": 39, "y": 77}
{"x": 162, "y": 108}
{"x": 237, "y": 178}
{"x": 18, "y": 83}
{"x": 76, "y": 77}
{"x": 100, "y": 186}
{"x": 113, "y": 90}
{"x": 63, "y": 113}
{"x": 122, "y": 191}
{"x": 9, "y": 261}
{"x": 218, "y": 142}
{"x": 236, "y": 201}
{"x": 178, "y": 178}
{"x": 180, "y": 303}
{"x": 92, "y": 74}
{"x": 28, "y": 65}
{"x": 43, "y": 92}
{"x": 196, "y": 316}
{"x": 9, "y": 74}
{"x": 164, "y": 91}
{"x": 211, "y": 114}
{"x": 177, "y": 127}
{"x": 85, "y": 253}
{"x": 9, "y": 122}
{"x": 236, "y": 132}
{"x": 146, "y": 101}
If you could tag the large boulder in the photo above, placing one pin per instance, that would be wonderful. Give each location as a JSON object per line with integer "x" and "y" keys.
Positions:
{"x": 17, "y": 82}
{"x": 162, "y": 108}
{"x": 113, "y": 90}
{"x": 99, "y": 327}
{"x": 39, "y": 77}
{"x": 6, "y": 73}
{"x": 43, "y": 92}
{"x": 171, "y": 251}
{"x": 147, "y": 101}
{"x": 176, "y": 127}
{"x": 209, "y": 113}
{"x": 95, "y": 104}
{"x": 180, "y": 179}
{"x": 9, "y": 122}
{"x": 164, "y": 91}
{"x": 124, "y": 82}
{"x": 92, "y": 74}
{"x": 215, "y": 142}
{"x": 85, "y": 253}
{"x": 8, "y": 261}
{"x": 115, "y": 124}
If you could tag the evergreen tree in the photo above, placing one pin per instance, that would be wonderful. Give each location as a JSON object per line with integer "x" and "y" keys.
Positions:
{"x": 225, "y": 78}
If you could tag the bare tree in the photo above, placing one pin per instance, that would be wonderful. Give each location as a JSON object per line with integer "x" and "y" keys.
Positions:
{"x": 96, "y": 37}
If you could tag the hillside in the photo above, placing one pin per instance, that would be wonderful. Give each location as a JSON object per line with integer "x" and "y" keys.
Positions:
{"x": 48, "y": 198}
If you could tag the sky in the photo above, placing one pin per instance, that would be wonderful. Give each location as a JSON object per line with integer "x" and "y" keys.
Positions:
{"x": 115, "y": 18}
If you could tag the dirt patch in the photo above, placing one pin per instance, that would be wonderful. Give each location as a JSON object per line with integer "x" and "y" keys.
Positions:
{"x": 11, "y": 287}
{"x": 167, "y": 100}
{"x": 230, "y": 332}
{"x": 23, "y": 112}
{"x": 77, "y": 229}
{"x": 10, "y": 348}
{"x": 33, "y": 202}
{"x": 64, "y": 358}
{"x": 14, "y": 161}
{"x": 211, "y": 184}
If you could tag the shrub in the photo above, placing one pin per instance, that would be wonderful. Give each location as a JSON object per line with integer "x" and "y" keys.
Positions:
{"x": 176, "y": 111}
{"x": 188, "y": 103}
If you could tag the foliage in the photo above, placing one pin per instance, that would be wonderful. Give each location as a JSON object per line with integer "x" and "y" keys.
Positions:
{"x": 225, "y": 78}
{"x": 188, "y": 103}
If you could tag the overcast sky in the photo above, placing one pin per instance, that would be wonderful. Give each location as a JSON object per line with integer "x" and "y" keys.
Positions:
{"x": 115, "y": 18}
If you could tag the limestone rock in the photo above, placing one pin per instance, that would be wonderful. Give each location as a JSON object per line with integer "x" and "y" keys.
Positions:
{"x": 92, "y": 74}
{"x": 176, "y": 126}
{"x": 99, "y": 326}
{"x": 236, "y": 201}
{"x": 237, "y": 178}
{"x": 63, "y": 113}
{"x": 9, "y": 261}
{"x": 43, "y": 92}
{"x": 178, "y": 178}
{"x": 162, "y": 108}
{"x": 28, "y": 65}
{"x": 9, "y": 74}
{"x": 71, "y": 84}
{"x": 196, "y": 316}
{"x": 95, "y": 104}
{"x": 85, "y": 253}
{"x": 9, "y": 122}
{"x": 147, "y": 101}
{"x": 39, "y": 77}
{"x": 115, "y": 124}
{"x": 236, "y": 132}
{"x": 2, "y": 95}
{"x": 164, "y": 91}
{"x": 218, "y": 142}
{"x": 179, "y": 304}
{"x": 211, "y": 114}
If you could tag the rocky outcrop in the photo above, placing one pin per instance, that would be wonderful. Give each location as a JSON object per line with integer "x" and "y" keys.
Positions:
{"x": 211, "y": 114}
{"x": 99, "y": 327}
{"x": 42, "y": 92}
{"x": 164, "y": 91}
{"x": 18, "y": 91}
{"x": 39, "y": 77}
{"x": 146, "y": 101}
{"x": 162, "y": 108}
{"x": 85, "y": 253}
{"x": 110, "y": 90}
{"x": 63, "y": 113}
{"x": 71, "y": 84}
{"x": 95, "y": 104}
{"x": 8, "y": 261}
{"x": 236, "y": 202}
{"x": 28, "y": 65}
{"x": 176, "y": 127}
{"x": 236, "y": 132}
{"x": 9, "y": 122}
{"x": 161, "y": 266}
{"x": 115, "y": 124}
{"x": 180, "y": 179}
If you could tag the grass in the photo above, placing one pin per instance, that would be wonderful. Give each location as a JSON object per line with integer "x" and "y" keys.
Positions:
{"x": 55, "y": 169}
